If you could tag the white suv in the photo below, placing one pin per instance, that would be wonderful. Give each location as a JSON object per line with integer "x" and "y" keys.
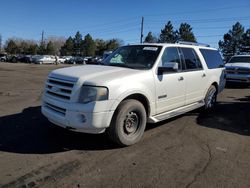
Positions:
{"x": 136, "y": 84}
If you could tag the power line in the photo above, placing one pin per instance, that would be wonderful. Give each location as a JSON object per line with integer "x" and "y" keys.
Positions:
{"x": 205, "y": 20}
{"x": 199, "y": 11}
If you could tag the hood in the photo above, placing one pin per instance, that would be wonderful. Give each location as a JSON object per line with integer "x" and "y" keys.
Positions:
{"x": 239, "y": 65}
{"x": 93, "y": 74}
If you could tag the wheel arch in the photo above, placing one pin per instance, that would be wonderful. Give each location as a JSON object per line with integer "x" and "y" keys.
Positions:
{"x": 141, "y": 98}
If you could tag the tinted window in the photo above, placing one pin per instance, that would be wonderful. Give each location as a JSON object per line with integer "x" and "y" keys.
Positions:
{"x": 213, "y": 58}
{"x": 171, "y": 55}
{"x": 191, "y": 59}
{"x": 241, "y": 59}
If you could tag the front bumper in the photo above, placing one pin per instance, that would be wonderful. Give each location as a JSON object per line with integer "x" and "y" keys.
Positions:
{"x": 238, "y": 78}
{"x": 78, "y": 117}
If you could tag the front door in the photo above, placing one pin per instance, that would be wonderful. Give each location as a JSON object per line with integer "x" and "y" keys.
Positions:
{"x": 170, "y": 86}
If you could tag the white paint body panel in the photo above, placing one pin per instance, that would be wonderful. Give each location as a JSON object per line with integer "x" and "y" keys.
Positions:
{"x": 121, "y": 83}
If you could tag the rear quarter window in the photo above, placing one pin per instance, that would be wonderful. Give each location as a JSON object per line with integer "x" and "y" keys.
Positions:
{"x": 213, "y": 58}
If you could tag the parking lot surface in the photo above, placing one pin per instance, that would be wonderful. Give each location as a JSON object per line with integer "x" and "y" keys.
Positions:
{"x": 196, "y": 149}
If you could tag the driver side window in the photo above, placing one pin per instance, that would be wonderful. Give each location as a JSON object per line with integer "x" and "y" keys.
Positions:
{"x": 171, "y": 55}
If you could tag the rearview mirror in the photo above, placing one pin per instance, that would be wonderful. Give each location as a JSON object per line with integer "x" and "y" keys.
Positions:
{"x": 168, "y": 67}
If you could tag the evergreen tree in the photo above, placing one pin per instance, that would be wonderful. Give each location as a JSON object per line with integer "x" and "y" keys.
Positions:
{"x": 78, "y": 44}
{"x": 150, "y": 38}
{"x": 168, "y": 34}
{"x": 32, "y": 49}
{"x": 245, "y": 42}
{"x": 11, "y": 47}
{"x": 185, "y": 33}
{"x": 88, "y": 46}
{"x": 42, "y": 49}
{"x": 68, "y": 48}
{"x": 100, "y": 46}
{"x": 232, "y": 41}
{"x": 50, "y": 48}
{"x": 112, "y": 44}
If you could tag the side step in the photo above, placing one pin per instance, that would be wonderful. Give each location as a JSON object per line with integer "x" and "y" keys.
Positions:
{"x": 175, "y": 112}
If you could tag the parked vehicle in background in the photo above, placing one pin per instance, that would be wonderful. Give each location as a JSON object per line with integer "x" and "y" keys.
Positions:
{"x": 25, "y": 58}
{"x": 43, "y": 59}
{"x": 61, "y": 59}
{"x": 12, "y": 58}
{"x": 238, "y": 69}
{"x": 76, "y": 60}
{"x": 136, "y": 84}
{"x": 3, "y": 57}
{"x": 93, "y": 60}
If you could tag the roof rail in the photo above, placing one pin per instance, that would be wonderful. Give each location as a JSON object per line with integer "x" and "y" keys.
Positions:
{"x": 193, "y": 43}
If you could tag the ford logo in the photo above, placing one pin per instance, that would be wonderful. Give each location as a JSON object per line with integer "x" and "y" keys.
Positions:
{"x": 55, "y": 89}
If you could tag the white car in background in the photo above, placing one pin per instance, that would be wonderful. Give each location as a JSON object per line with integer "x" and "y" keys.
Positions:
{"x": 238, "y": 69}
{"x": 44, "y": 59}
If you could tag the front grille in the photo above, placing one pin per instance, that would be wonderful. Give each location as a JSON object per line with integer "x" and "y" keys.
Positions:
{"x": 238, "y": 71}
{"x": 54, "y": 108}
{"x": 59, "y": 88}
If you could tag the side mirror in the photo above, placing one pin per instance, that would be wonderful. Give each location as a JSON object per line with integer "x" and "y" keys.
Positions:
{"x": 168, "y": 67}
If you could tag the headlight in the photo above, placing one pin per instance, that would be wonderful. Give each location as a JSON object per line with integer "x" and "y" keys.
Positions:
{"x": 93, "y": 93}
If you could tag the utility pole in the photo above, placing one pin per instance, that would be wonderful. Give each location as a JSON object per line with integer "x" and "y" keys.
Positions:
{"x": 142, "y": 22}
{"x": 42, "y": 41}
{"x": 0, "y": 43}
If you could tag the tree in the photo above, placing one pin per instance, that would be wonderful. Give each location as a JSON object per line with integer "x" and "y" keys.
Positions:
{"x": 11, "y": 47}
{"x": 168, "y": 34}
{"x": 0, "y": 43}
{"x": 57, "y": 42}
{"x": 68, "y": 47}
{"x": 185, "y": 33}
{"x": 100, "y": 46}
{"x": 33, "y": 49}
{"x": 88, "y": 46}
{"x": 150, "y": 38}
{"x": 78, "y": 43}
{"x": 232, "y": 41}
{"x": 50, "y": 48}
{"x": 113, "y": 44}
{"x": 245, "y": 42}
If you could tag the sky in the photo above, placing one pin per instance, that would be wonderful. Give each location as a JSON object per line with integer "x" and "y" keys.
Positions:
{"x": 107, "y": 19}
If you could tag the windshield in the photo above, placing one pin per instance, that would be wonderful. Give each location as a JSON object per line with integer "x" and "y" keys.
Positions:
{"x": 135, "y": 57}
{"x": 241, "y": 59}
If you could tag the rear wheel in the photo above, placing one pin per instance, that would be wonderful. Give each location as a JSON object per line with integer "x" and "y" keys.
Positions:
{"x": 211, "y": 98}
{"x": 128, "y": 123}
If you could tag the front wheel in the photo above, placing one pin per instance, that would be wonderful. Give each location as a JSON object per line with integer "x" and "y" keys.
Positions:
{"x": 128, "y": 123}
{"x": 211, "y": 98}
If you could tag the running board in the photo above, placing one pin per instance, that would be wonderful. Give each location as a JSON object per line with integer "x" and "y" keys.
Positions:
{"x": 175, "y": 112}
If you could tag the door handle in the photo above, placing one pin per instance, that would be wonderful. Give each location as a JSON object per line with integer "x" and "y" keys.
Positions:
{"x": 180, "y": 78}
{"x": 203, "y": 75}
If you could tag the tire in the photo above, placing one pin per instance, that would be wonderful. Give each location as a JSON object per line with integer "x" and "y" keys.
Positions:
{"x": 128, "y": 123}
{"x": 211, "y": 98}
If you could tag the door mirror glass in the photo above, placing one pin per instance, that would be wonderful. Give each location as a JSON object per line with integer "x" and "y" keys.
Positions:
{"x": 168, "y": 67}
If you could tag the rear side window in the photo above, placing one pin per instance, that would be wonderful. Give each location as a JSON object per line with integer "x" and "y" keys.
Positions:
{"x": 191, "y": 59}
{"x": 213, "y": 58}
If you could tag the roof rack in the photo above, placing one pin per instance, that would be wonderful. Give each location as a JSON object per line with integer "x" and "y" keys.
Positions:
{"x": 193, "y": 43}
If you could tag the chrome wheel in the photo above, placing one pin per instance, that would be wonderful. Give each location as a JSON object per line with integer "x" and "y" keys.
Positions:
{"x": 211, "y": 99}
